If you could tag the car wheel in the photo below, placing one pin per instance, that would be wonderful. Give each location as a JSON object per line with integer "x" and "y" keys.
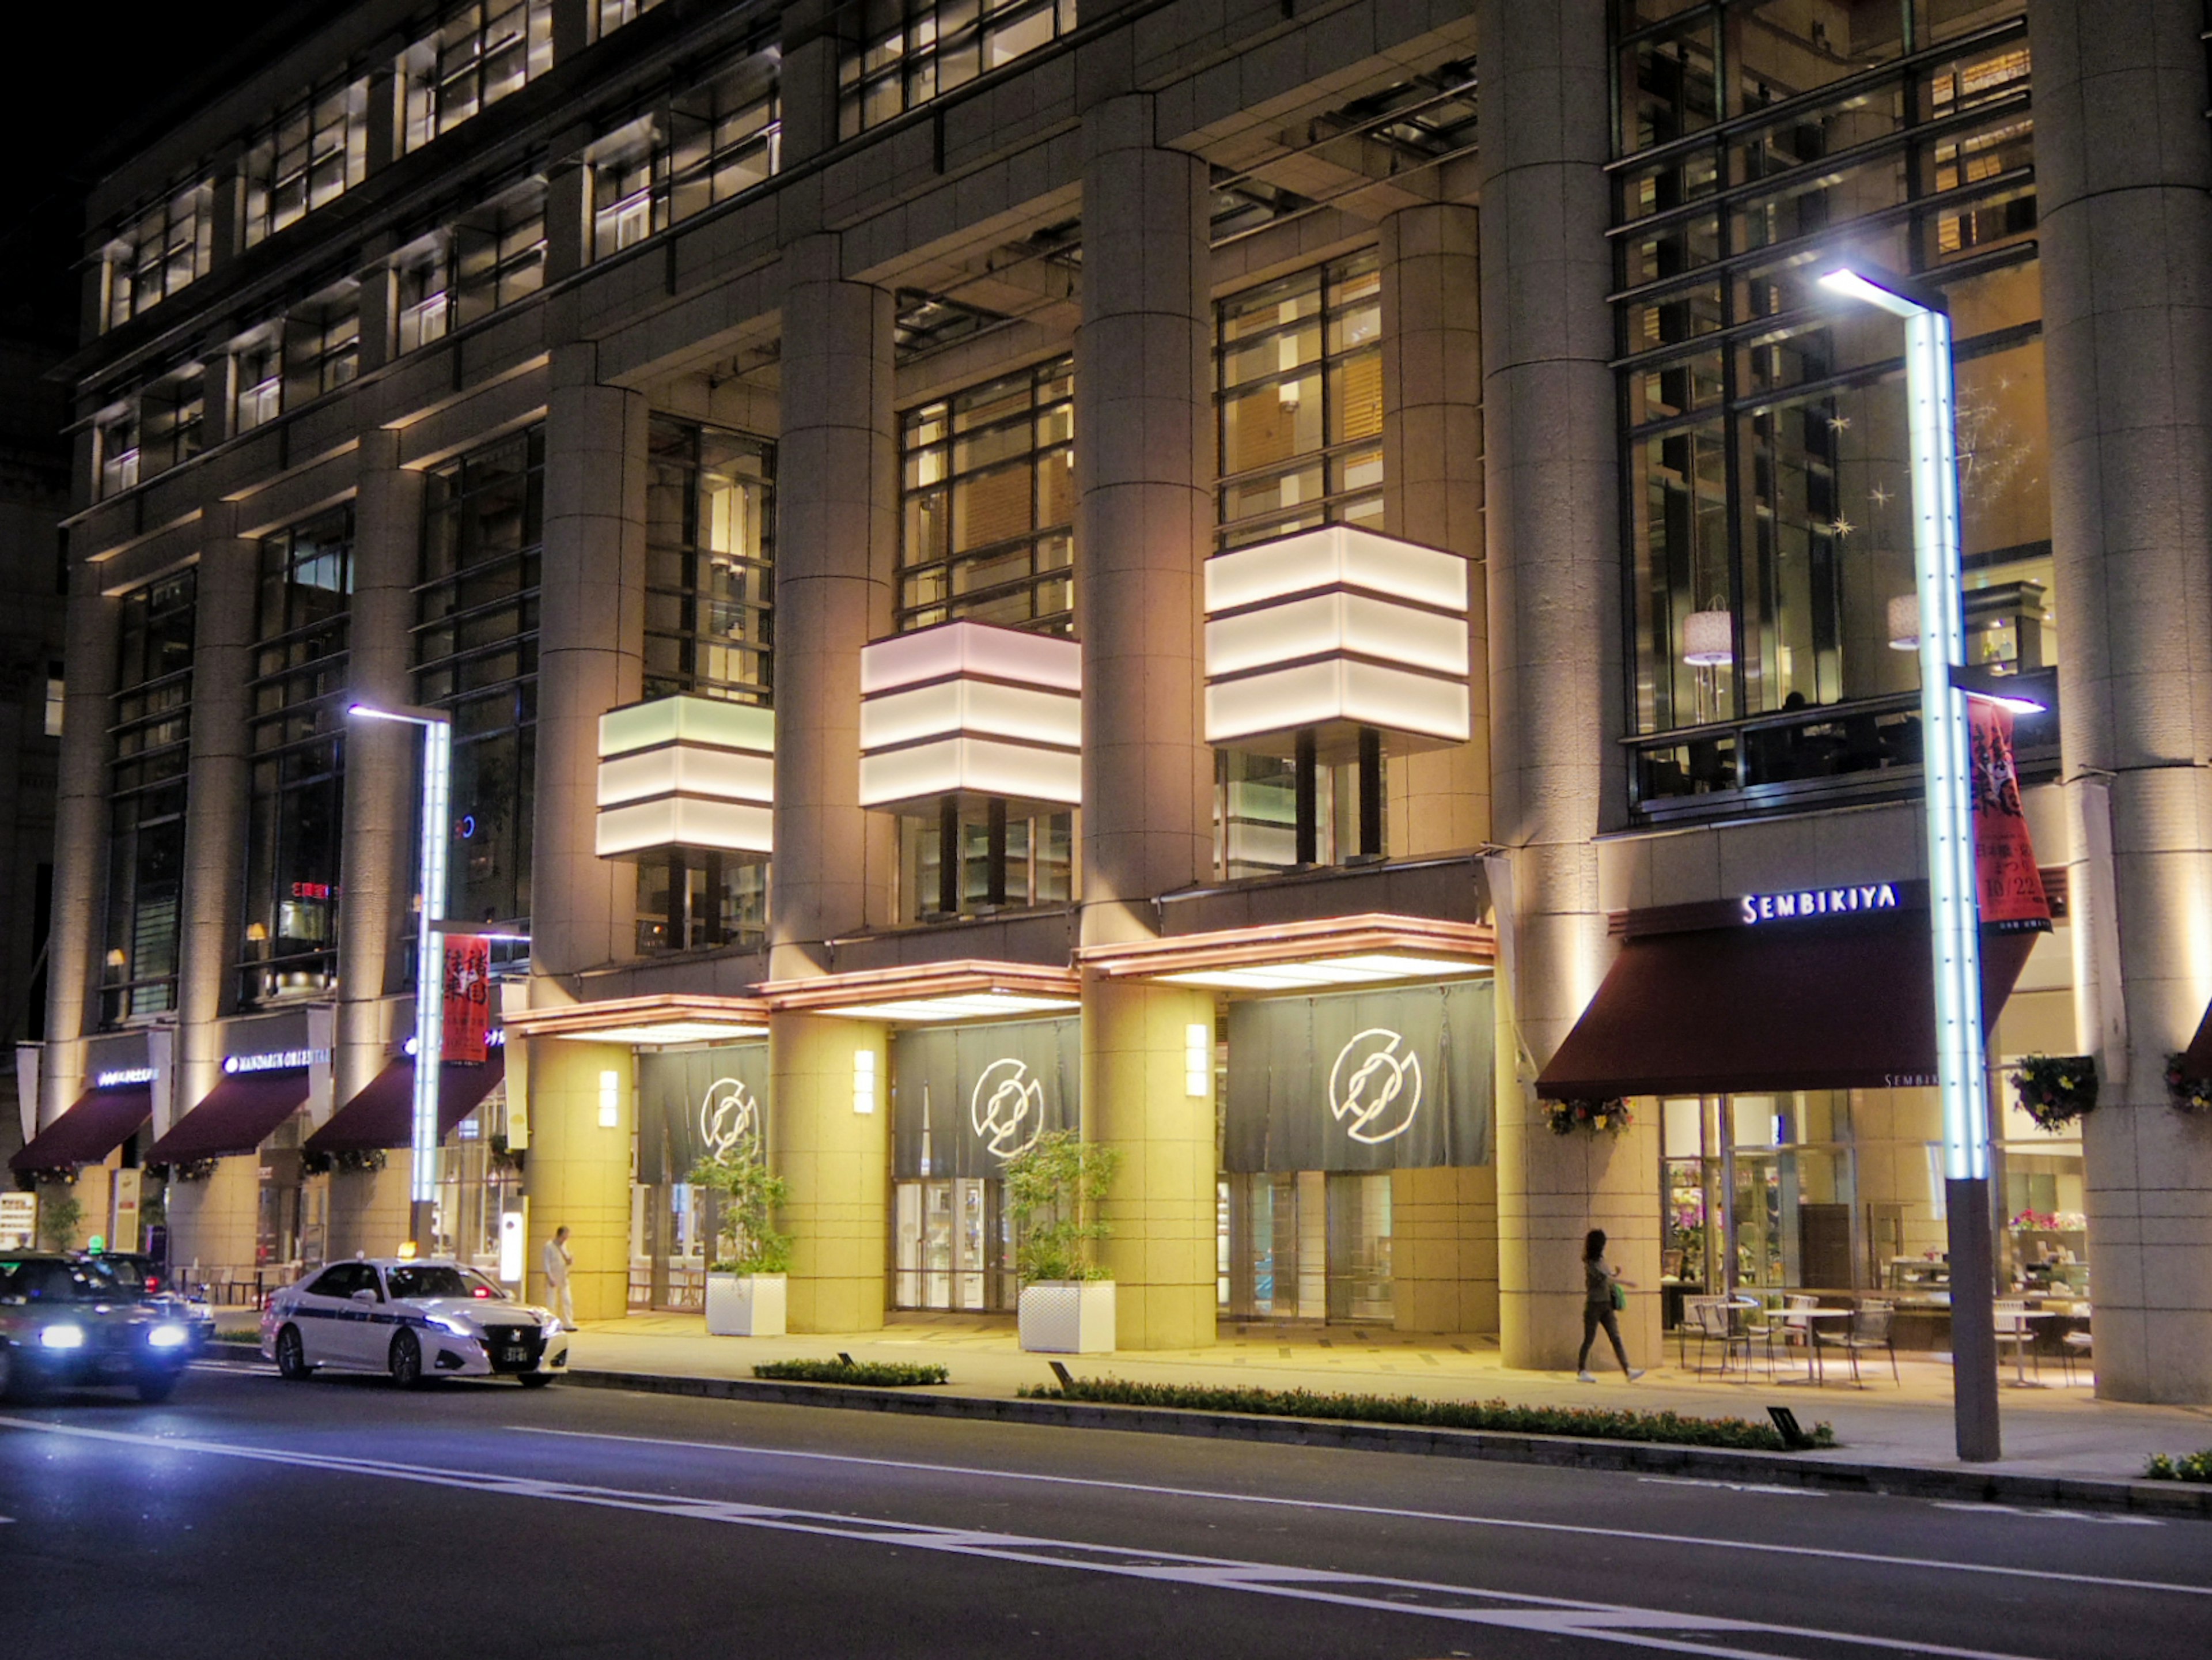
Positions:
{"x": 292, "y": 1357}
{"x": 536, "y": 1380}
{"x": 406, "y": 1360}
{"x": 156, "y": 1387}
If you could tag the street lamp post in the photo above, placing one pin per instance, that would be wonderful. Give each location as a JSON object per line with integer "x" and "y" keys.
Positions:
{"x": 429, "y": 966}
{"x": 1947, "y": 764}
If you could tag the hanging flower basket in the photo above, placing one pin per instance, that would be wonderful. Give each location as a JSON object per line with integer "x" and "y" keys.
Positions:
{"x": 2054, "y": 1089}
{"x": 2185, "y": 1093}
{"x": 1607, "y": 1117}
{"x": 184, "y": 1169}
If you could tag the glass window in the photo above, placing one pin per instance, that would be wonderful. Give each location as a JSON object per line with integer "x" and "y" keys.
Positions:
{"x": 145, "y": 792}
{"x": 714, "y": 140}
{"x": 710, "y": 534}
{"x": 1299, "y": 390}
{"x": 423, "y": 301}
{"x": 119, "y": 451}
{"x": 608, "y": 15}
{"x": 311, "y": 154}
{"x": 477, "y": 56}
{"x": 1032, "y": 864}
{"x": 256, "y": 378}
{"x": 322, "y": 341}
{"x": 297, "y": 783}
{"x": 499, "y": 253}
{"x": 910, "y": 51}
{"x": 989, "y": 504}
{"x": 159, "y": 250}
{"x": 476, "y": 655}
{"x": 171, "y": 419}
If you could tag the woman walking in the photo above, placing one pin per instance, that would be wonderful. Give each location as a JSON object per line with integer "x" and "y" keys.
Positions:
{"x": 1603, "y": 1295}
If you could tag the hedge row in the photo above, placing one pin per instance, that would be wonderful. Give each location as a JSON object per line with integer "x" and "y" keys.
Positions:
{"x": 890, "y": 1374}
{"x": 2181, "y": 1467}
{"x": 1597, "y": 1423}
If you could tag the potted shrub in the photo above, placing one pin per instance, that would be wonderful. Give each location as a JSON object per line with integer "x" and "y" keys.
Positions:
{"x": 1054, "y": 1188}
{"x": 745, "y": 1283}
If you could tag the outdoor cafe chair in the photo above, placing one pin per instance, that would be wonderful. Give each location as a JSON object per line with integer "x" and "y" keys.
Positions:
{"x": 1872, "y": 1327}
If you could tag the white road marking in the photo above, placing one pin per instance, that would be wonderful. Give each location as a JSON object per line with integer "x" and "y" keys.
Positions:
{"x": 1515, "y": 1522}
{"x": 1733, "y": 1486}
{"x": 2109, "y": 1518}
{"x": 1629, "y": 1626}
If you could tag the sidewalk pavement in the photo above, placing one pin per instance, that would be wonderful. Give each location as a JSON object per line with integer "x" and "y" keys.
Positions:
{"x": 2054, "y": 1430}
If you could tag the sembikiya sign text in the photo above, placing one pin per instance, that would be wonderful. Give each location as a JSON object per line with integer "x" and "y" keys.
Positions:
{"x": 1755, "y": 908}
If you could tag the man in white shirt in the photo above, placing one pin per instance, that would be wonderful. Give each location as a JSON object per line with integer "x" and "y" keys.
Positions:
{"x": 558, "y": 1262}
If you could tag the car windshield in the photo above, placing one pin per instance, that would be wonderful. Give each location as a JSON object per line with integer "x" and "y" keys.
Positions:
{"x": 126, "y": 1271}
{"x": 59, "y": 1282}
{"x": 437, "y": 1280}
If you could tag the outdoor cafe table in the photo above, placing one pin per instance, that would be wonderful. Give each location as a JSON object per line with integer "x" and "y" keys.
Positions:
{"x": 1815, "y": 1369}
{"x": 2013, "y": 1323}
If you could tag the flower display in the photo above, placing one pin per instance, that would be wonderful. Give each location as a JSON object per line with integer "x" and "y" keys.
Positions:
{"x": 2054, "y": 1089}
{"x": 2185, "y": 1093}
{"x": 1607, "y": 1117}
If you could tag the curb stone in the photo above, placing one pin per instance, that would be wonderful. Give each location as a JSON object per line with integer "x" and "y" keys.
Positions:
{"x": 1819, "y": 1470}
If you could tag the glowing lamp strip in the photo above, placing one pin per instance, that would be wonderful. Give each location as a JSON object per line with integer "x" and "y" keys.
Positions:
{"x": 679, "y": 821}
{"x": 971, "y": 766}
{"x": 430, "y": 961}
{"x": 1334, "y": 689}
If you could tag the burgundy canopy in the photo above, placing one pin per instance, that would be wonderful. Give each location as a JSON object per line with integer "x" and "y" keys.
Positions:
{"x": 236, "y": 1117}
{"x": 97, "y": 1123}
{"x": 382, "y": 1116}
{"x": 1840, "y": 1002}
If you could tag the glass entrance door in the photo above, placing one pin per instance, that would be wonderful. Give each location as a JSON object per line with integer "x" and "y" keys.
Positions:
{"x": 953, "y": 1249}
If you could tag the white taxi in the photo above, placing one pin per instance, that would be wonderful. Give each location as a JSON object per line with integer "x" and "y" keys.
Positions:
{"x": 414, "y": 1319}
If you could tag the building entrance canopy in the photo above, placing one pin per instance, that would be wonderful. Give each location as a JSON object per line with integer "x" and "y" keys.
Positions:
{"x": 236, "y": 1117}
{"x": 97, "y": 1123}
{"x": 382, "y": 1116}
{"x": 1828, "y": 1002}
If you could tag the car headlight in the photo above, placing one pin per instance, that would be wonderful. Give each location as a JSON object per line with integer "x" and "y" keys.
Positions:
{"x": 453, "y": 1324}
{"x": 552, "y": 1323}
{"x": 62, "y": 1337}
{"x": 168, "y": 1335}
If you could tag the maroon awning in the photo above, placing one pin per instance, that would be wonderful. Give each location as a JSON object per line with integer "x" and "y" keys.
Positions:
{"x": 97, "y": 1123}
{"x": 382, "y": 1116}
{"x": 237, "y": 1115}
{"x": 2196, "y": 1059}
{"x": 1840, "y": 1002}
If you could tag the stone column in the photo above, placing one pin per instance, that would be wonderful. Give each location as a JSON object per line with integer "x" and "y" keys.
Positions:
{"x": 1554, "y": 576}
{"x": 808, "y": 83}
{"x": 2123, "y": 165}
{"x": 591, "y": 658}
{"x": 578, "y": 1175}
{"x": 76, "y": 936}
{"x": 836, "y": 547}
{"x": 1144, "y": 470}
{"x": 1432, "y": 486}
{"x": 837, "y": 1160}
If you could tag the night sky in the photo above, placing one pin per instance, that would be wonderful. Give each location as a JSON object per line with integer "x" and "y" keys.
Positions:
{"x": 99, "y": 76}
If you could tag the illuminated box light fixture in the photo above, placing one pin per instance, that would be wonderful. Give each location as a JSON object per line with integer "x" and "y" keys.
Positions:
{"x": 973, "y": 712}
{"x": 690, "y": 773}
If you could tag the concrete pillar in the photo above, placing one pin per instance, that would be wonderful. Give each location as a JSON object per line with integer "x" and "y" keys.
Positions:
{"x": 1554, "y": 578}
{"x": 2123, "y": 165}
{"x": 213, "y": 1221}
{"x": 376, "y": 862}
{"x": 836, "y": 548}
{"x": 575, "y": 27}
{"x": 578, "y": 1175}
{"x": 212, "y": 931}
{"x": 591, "y": 658}
{"x": 369, "y": 1213}
{"x": 808, "y": 82}
{"x": 837, "y": 1160}
{"x": 1144, "y": 471}
{"x": 1443, "y": 1249}
{"x": 1162, "y": 1206}
{"x": 1432, "y": 487}
{"x": 77, "y": 932}
{"x": 568, "y": 205}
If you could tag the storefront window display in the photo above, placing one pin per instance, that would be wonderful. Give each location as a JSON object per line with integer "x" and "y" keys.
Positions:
{"x": 1325, "y": 1098}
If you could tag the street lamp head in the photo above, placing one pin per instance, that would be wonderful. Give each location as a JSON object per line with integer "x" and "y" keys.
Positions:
{"x": 1847, "y": 283}
{"x": 407, "y": 713}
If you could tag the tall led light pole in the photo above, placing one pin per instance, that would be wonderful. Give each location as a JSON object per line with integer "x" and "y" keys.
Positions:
{"x": 429, "y": 957}
{"x": 1947, "y": 761}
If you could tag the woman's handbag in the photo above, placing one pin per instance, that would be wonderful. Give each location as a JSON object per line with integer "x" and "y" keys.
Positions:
{"x": 1620, "y": 1296}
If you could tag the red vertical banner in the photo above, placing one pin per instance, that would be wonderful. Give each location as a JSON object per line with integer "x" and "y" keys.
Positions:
{"x": 2008, "y": 884}
{"x": 468, "y": 996}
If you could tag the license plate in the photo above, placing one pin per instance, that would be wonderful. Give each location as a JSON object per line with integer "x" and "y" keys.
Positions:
{"x": 514, "y": 1356}
{"x": 114, "y": 1365}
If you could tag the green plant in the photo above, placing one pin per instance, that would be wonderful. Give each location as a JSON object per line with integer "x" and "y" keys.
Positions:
{"x": 746, "y": 1242}
{"x": 889, "y": 1374}
{"x": 1054, "y": 1188}
{"x": 315, "y": 1163}
{"x": 2054, "y": 1090}
{"x": 2181, "y": 1467}
{"x": 1595, "y": 1423}
{"x": 361, "y": 1159}
{"x": 1609, "y": 1117}
{"x": 2183, "y": 1092}
{"x": 505, "y": 1158}
{"x": 58, "y": 1215}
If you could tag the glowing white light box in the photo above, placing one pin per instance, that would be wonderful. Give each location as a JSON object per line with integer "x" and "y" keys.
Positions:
{"x": 695, "y": 773}
{"x": 1330, "y": 630}
{"x": 971, "y": 710}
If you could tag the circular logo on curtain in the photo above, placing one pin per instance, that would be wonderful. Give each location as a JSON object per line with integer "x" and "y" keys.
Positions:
{"x": 727, "y": 1115}
{"x": 1006, "y": 1107}
{"x": 1375, "y": 1087}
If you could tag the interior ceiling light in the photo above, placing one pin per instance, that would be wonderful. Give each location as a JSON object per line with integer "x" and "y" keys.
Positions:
{"x": 1323, "y": 973}
{"x": 958, "y": 1006}
{"x": 664, "y": 1033}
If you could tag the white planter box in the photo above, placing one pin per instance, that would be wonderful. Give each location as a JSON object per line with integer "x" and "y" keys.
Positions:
{"x": 745, "y": 1304}
{"x": 1068, "y": 1317}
